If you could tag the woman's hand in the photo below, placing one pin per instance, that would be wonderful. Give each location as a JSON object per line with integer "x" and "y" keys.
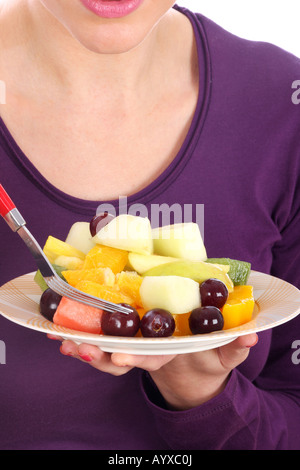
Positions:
{"x": 192, "y": 379}
{"x": 185, "y": 380}
{"x": 115, "y": 363}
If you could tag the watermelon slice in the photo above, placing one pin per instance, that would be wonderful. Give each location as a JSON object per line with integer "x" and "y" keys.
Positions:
{"x": 78, "y": 316}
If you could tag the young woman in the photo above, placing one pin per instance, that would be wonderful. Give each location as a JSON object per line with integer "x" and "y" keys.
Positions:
{"x": 142, "y": 98}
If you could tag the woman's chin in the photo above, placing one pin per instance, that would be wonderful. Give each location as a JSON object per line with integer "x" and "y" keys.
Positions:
{"x": 124, "y": 40}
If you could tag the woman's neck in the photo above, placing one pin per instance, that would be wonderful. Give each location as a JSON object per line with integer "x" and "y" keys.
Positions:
{"x": 50, "y": 55}
{"x": 64, "y": 102}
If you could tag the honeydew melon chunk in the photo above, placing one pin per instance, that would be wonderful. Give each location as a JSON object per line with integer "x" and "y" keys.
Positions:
{"x": 80, "y": 237}
{"x": 173, "y": 293}
{"x": 179, "y": 241}
{"x": 142, "y": 263}
{"x": 199, "y": 271}
{"x": 127, "y": 232}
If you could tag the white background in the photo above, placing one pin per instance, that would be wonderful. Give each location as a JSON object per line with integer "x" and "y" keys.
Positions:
{"x": 275, "y": 21}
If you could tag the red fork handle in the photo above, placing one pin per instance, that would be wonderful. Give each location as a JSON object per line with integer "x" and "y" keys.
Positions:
{"x": 6, "y": 204}
{"x": 9, "y": 212}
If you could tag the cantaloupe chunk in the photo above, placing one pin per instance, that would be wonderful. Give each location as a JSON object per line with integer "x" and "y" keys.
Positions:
{"x": 239, "y": 307}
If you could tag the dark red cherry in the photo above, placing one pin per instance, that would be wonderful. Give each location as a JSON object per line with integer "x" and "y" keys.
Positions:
{"x": 121, "y": 324}
{"x": 205, "y": 320}
{"x": 99, "y": 221}
{"x": 213, "y": 293}
{"x": 157, "y": 323}
{"x": 49, "y": 302}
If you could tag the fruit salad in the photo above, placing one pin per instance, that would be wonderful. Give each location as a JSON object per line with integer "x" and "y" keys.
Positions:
{"x": 163, "y": 275}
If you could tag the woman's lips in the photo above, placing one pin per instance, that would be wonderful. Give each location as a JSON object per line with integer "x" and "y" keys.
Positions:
{"x": 112, "y": 8}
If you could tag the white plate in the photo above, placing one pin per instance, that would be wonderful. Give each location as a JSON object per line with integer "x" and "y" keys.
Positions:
{"x": 276, "y": 302}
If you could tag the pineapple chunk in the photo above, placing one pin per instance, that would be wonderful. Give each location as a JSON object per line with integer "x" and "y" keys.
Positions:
{"x": 54, "y": 248}
{"x": 69, "y": 262}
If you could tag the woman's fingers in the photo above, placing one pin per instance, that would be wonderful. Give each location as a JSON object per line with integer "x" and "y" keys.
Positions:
{"x": 58, "y": 338}
{"x": 149, "y": 363}
{"x": 94, "y": 356}
{"x": 115, "y": 363}
{"x": 230, "y": 356}
{"x": 234, "y": 353}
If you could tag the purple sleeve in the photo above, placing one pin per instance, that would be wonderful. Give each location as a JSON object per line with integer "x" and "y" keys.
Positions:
{"x": 263, "y": 415}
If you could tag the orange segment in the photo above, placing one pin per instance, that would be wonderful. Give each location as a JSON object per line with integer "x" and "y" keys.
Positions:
{"x": 141, "y": 311}
{"x": 112, "y": 294}
{"x": 239, "y": 307}
{"x": 182, "y": 327}
{"x": 129, "y": 283}
{"x": 100, "y": 275}
{"x": 101, "y": 256}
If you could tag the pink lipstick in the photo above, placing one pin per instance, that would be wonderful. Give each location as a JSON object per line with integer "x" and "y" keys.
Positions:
{"x": 112, "y": 8}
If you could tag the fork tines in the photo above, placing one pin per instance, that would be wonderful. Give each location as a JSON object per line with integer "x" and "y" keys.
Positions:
{"x": 63, "y": 289}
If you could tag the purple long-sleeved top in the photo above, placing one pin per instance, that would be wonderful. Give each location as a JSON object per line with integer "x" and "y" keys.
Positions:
{"x": 241, "y": 159}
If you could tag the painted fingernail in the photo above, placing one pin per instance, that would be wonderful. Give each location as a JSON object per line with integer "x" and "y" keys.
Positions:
{"x": 86, "y": 358}
{"x": 51, "y": 337}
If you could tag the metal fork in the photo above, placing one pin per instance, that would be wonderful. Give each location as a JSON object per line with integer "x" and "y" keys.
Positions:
{"x": 17, "y": 223}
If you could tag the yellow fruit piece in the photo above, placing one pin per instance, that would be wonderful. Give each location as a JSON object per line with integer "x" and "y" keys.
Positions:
{"x": 111, "y": 294}
{"x": 129, "y": 283}
{"x": 101, "y": 256}
{"x": 224, "y": 267}
{"x": 239, "y": 307}
{"x": 69, "y": 262}
{"x": 55, "y": 247}
{"x": 182, "y": 327}
{"x": 100, "y": 275}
